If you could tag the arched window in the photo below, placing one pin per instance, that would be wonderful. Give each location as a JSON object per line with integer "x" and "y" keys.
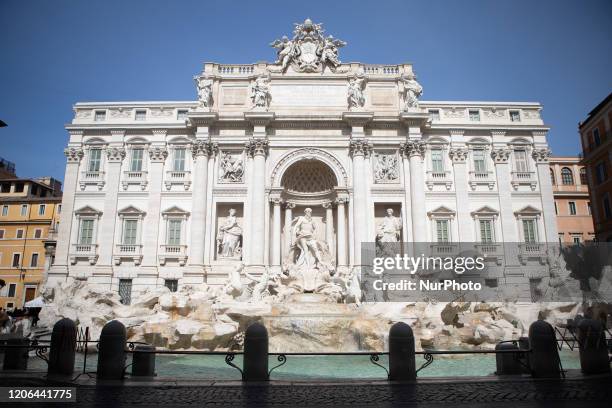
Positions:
{"x": 583, "y": 176}
{"x": 552, "y": 177}
{"x": 567, "y": 178}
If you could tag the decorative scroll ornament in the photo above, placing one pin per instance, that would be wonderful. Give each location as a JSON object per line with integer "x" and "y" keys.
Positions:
{"x": 412, "y": 148}
{"x": 355, "y": 96}
{"x": 158, "y": 154}
{"x": 203, "y": 148}
{"x": 309, "y": 50}
{"x": 73, "y": 154}
{"x": 541, "y": 155}
{"x": 458, "y": 155}
{"x": 412, "y": 92}
{"x": 115, "y": 154}
{"x": 500, "y": 155}
{"x": 205, "y": 98}
{"x": 386, "y": 168}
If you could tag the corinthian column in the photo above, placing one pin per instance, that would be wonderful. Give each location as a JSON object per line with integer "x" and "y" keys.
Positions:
{"x": 276, "y": 232}
{"x": 201, "y": 150}
{"x": 359, "y": 148}
{"x": 258, "y": 149}
{"x": 59, "y": 269}
{"x": 150, "y": 229}
{"x": 341, "y": 233}
{"x": 541, "y": 156}
{"x": 115, "y": 156}
{"x": 458, "y": 156}
{"x": 288, "y": 219}
{"x": 329, "y": 226}
{"x": 415, "y": 150}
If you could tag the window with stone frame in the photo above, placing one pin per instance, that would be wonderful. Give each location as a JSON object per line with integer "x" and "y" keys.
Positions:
{"x": 86, "y": 229}
{"x": 571, "y": 207}
{"x": 530, "y": 230}
{"x": 521, "y": 163}
{"x": 437, "y": 160}
{"x": 171, "y": 284}
{"x": 515, "y": 116}
{"x": 434, "y": 115}
{"x": 94, "y": 162}
{"x": 125, "y": 291}
{"x": 487, "y": 231}
{"x": 173, "y": 237}
{"x": 178, "y": 159}
{"x": 136, "y": 159}
{"x": 442, "y": 230}
{"x": 583, "y": 176}
{"x": 480, "y": 160}
{"x": 567, "y": 176}
{"x": 474, "y": 115}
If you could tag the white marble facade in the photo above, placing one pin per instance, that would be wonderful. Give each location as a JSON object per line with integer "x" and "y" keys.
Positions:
{"x": 148, "y": 185}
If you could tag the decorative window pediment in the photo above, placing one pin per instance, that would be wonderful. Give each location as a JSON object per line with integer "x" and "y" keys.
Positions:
{"x": 88, "y": 211}
{"x": 441, "y": 212}
{"x": 175, "y": 212}
{"x": 528, "y": 211}
{"x": 485, "y": 211}
{"x": 131, "y": 211}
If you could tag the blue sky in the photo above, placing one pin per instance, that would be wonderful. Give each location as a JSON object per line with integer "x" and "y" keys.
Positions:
{"x": 55, "y": 53}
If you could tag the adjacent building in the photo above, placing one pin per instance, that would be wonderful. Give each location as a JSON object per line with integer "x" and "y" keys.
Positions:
{"x": 572, "y": 202}
{"x": 180, "y": 193}
{"x": 29, "y": 217}
{"x": 596, "y": 138}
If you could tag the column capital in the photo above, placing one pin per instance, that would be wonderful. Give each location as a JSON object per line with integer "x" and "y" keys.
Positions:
{"x": 203, "y": 148}
{"x": 341, "y": 200}
{"x": 328, "y": 204}
{"x": 289, "y": 205}
{"x": 257, "y": 147}
{"x": 458, "y": 154}
{"x": 73, "y": 154}
{"x": 412, "y": 148}
{"x": 158, "y": 154}
{"x": 360, "y": 147}
{"x": 115, "y": 154}
{"x": 500, "y": 155}
{"x": 277, "y": 201}
{"x": 541, "y": 155}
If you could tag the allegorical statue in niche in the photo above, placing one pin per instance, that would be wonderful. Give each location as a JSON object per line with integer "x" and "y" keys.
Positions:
{"x": 229, "y": 237}
{"x": 386, "y": 170}
{"x": 260, "y": 92}
{"x": 390, "y": 228}
{"x": 355, "y": 96}
{"x": 204, "y": 92}
{"x": 412, "y": 91}
{"x": 230, "y": 169}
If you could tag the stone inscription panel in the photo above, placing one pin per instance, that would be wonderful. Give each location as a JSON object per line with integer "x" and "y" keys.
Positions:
{"x": 309, "y": 95}
{"x": 234, "y": 95}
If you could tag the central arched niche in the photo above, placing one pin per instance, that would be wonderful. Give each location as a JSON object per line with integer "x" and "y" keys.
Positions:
{"x": 309, "y": 177}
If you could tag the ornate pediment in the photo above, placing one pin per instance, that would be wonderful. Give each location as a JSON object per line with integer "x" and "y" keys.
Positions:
{"x": 88, "y": 211}
{"x": 309, "y": 50}
{"x": 527, "y": 211}
{"x": 485, "y": 211}
{"x": 175, "y": 212}
{"x": 441, "y": 211}
{"x": 131, "y": 210}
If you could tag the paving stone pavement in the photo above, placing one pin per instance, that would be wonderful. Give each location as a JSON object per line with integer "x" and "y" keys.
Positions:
{"x": 568, "y": 393}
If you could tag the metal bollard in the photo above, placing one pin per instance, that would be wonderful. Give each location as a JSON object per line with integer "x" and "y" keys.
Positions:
{"x": 256, "y": 353}
{"x": 402, "y": 366}
{"x": 16, "y": 358}
{"x": 63, "y": 348}
{"x": 507, "y": 363}
{"x": 544, "y": 359}
{"x": 593, "y": 347}
{"x": 143, "y": 364}
{"x": 111, "y": 353}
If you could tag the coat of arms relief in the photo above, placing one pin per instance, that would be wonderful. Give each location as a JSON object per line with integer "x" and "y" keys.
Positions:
{"x": 309, "y": 50}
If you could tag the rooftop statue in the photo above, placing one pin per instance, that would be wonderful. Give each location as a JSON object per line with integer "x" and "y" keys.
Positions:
{"x": 309, "y": 50}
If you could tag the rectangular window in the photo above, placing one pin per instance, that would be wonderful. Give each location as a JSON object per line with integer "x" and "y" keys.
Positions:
{"x": 19, "y": 187}
{"x": 19, "y": 234}
{"x": 34, "y": 261}
{"x": 95, "y": 159}
{"x": 437, "y": 161}
{"x": 1, "y": 234}
{"x": 434, "y": 114}
{"x": 515, "y": 116}
{"x": 59, "y": 208}
{"x": 480, "y": 163}
{"x": 556, "y": 209}
{"x": 576, "y": 240}
{"x": 4, "y": 210}
{"x": 486, "y": 231}
{"x": 572, "y": 207}
{"x": 37, "y": 233}
{"x": 588, "y": 204}
{"x": 520, "y": 161}
{"x": 12, "y": 289}
{"x": 136, "y": 162}
{"x": 125, "y": 291}
{"x": 100, "y": 116}
{"x": 602, "y": 172}
{"x": 174, "y": 232}
{"x": 606, "y": 207}
{"x": 86, "y": 232}
{"x": 442, "y": 233}
{"x": 130, "y": 228}
{"x": 179, "y": 160}
{"x": 140, "y": 114}
{"x": 596, "y": 137}
{"x": 24, "y": 210}
{"x": 529, "y": 231}
{"x": 171, "y": 284}
{"x": 41, "y": 209}
{"x": 583, "y": 176}
{"x": 475, "y": 115}
{"x": 181, "y": 114}
{"x": 16, "y": 260}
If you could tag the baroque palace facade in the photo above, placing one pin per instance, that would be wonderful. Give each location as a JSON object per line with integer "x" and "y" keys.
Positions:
{"x": 182, "y": 193}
